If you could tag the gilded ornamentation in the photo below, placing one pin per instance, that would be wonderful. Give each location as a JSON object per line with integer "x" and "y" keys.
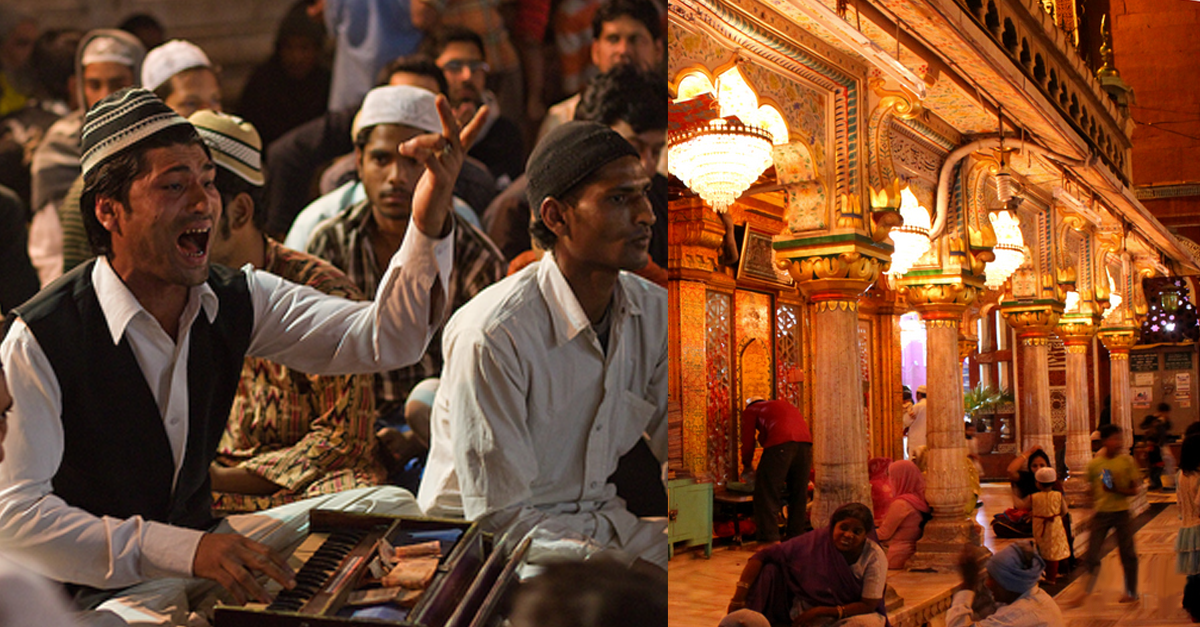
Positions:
{"x": 832, "y": 305}
{"x": 850, "y": 213}
{"x": 1119, "y": 340}
{"x": 1109, "y": 69}
{"x": 1030, "y": 321}
{"x": 1078, "y": 349}
{"x": 903, "y": 104}
{"x": 1035, "y": 341}
{"x": 836, "y": 275}
{"x": 967, "y": 346}
{"x": 1077, "y": 329}
{"x": 940, "y": 300}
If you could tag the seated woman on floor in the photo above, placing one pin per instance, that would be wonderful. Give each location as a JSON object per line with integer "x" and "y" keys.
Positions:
{"x": 902, "y": 524}
{"x": 833, "y": 576}
{"x": 1021, "y": 473}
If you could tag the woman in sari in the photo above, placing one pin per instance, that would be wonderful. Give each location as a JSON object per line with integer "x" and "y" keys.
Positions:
{"x": 901, "y": 526}
{"x": 830, "y": 577}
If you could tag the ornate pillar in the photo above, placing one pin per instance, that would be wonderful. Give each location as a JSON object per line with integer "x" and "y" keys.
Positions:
{"x": 1119, "y": 340}
{"x": 1034, "y": 325}
{"x": 947, "y": 487}
{"x": 695, "y": 236}
{"x": 833, "y": 277}
{"x": 1076, "y": 332}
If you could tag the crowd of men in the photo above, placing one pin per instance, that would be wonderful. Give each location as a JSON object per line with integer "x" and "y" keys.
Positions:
{"x": 200, "y": 348}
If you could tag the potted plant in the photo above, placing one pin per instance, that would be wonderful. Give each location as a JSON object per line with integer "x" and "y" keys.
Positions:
{"x": 980, "y": 404}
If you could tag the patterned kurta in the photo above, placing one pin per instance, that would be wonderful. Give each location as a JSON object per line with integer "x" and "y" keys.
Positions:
{"x": 1048, "y": 530}
{"x": 345, "y": 241}
{"x": 312, "y": 435}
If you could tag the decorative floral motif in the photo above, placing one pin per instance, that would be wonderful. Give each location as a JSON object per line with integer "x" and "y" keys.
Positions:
{"x": 719, "y": 384}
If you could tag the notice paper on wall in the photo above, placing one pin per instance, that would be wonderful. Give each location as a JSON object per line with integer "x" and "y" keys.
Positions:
{"x": 1143, "y": 379}
{"x": 1183, "y": 389}
{"x": 1142, "y": 397}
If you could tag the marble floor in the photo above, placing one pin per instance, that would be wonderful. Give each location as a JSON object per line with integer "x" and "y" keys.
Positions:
{"x": 700, "y": 588}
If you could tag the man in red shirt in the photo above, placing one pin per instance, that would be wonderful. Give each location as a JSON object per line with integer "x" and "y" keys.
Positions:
{"x": 786, "y": 460}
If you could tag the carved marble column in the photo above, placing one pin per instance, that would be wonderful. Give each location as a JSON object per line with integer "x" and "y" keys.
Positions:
{"x": 1034, "y": 325}
{"x": 833, "y": 282}
{"x": 1076, "y": 332}
{"x": 1118, "y": 341}
{"x": 947, "y": 486}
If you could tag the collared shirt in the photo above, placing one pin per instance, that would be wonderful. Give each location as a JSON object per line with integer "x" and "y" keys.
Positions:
{"x": 310, "y": 435}
{"x": 532, "y": 415}
{"x": 293, "y": 325}
{"x": 775, "y": 422}
{"x": 345, "y": 241}
{"x": 1035, "y": 608}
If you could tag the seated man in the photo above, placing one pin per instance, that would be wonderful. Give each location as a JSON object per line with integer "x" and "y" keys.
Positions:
{"x": 123, "y": 372}
{"x": 361, "y": 239}
{"x": 556, "y": 372}
{"x": 290, "y": 435}
{"x": 1012, "y": 578}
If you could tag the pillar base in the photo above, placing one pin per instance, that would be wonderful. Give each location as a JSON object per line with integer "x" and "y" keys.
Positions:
{"x": 941, "y": 546}
{"x": 1078, "y": 492}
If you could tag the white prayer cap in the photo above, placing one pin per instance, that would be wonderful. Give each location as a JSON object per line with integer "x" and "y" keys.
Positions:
{"x": 170, "y": 59}
{"x": 106, "y": 49}
{"x": 398, "y": 104}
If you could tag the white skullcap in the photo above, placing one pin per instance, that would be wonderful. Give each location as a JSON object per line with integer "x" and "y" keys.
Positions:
{"x": 1045, "y": 475}
{"x": 104, "y": 49}
{"x": 398, "y": 104}
{"x": 170, "y": 59}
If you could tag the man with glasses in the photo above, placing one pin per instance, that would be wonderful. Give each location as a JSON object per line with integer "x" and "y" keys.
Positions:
{"x": 459, "y": 53}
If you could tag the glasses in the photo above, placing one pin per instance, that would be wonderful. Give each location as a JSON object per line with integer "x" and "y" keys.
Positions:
{"x": 459, "y": 65}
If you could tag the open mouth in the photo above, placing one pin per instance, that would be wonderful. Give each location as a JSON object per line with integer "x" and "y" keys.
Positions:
{"x": 194, "y": 242}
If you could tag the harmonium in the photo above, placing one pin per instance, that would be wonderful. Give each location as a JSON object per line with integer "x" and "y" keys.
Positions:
{"x": 368, "y": 570}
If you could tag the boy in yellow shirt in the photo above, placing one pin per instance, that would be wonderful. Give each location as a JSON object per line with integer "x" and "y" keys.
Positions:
{"x": 1114, "y": 478}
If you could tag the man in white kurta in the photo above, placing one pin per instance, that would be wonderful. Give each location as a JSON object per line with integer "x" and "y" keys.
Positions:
{"x": 556, "y": 372}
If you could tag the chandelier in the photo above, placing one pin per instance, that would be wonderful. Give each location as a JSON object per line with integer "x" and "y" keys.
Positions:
{"x": 1114, "y": 299}
{"x": 1009, "y": 249}
{"x": 719, "y": 160}
{"x": 911, "y": 239}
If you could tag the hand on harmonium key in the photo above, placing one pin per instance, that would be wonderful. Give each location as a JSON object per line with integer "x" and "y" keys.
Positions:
{"x": 233, "y": 560}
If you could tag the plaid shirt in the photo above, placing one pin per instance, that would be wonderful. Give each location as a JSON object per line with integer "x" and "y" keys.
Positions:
{"x": 345, "y": 241}
{"x": 312, "y": 435}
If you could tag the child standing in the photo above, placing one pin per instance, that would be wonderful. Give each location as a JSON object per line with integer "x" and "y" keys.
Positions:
{"x": 1187, "y": 543}
{"x": 1049, "y": 533}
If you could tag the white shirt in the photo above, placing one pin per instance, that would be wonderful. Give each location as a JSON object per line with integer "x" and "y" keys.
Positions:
{"x": 1035, "y": 608}
{"x": 27, "y": 600}
{"x": 294, "y": 325}
{"x": 917, "y": 428}
{"x": 532, "y": 416}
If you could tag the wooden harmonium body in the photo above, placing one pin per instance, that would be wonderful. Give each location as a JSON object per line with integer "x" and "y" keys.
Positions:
{"x": 388, "y": 570}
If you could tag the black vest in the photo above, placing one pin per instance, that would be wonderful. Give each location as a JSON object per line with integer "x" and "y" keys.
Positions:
{"x": 117, "y": 459}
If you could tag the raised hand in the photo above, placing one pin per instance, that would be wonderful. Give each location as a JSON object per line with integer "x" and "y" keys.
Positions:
{"x": 232, "y": 561}
{"x": 442, "y": 155}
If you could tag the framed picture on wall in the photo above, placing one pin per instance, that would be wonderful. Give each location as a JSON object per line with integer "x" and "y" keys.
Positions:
{"x": 758, "y": 259}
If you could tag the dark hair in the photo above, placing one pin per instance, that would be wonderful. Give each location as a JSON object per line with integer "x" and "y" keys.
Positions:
{"x": 1108, "y": 430}
{"x": 1164, "y": 407}
{"x": 229, "y": 185}
{"x": 853, "y": 510}
{"x": 113, "y": 178}
{"x": 626, "y": 94}
{"x": 1037, "y": 453}
{"x": 1191, "y": 597}
{"x": 435, "y": 44}
{"x": 53, "y": 61}
{"x": 140, "y": 21}
{"x": 538, "y": 229}
{"x": 643, "y": 11}
{"x": 592, "y": 593}
{"x": 1189, "y": 454}
{"x": 418, "y": 64}
{"x": 1192, "y": 429}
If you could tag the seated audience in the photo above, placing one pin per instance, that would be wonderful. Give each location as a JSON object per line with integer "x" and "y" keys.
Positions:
{"x": 459, "y": 53}
{"x": 292, "y": 86}
{"x": 290, "y": 435}
{"x": 902, "y": 524}
{"x": 106, "y": 60}
{"x": 18, "y": 31}
{"x": 361, "y": 239}
{"x": 110, "y": 489}
{"x": 557, "y": 371}
{"x": 830, "y": 576}
{"x": 20, "y": 279}
{"x": 1012, "y": 578}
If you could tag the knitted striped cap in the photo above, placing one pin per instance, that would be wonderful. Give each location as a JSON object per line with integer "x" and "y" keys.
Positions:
{"x": 234, "y": 143}
{"x": 568, "y": 155}
{"x": 120, "y": 120}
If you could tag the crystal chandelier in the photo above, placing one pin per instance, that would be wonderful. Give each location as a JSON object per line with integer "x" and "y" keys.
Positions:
{"x": 719, "y": 160}
{"x": 1009, "y": 249}
{"x": 911, "y": 239}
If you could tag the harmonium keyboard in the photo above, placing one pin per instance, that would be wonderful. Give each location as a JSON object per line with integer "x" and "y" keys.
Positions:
{"x": 386, "y": 570}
